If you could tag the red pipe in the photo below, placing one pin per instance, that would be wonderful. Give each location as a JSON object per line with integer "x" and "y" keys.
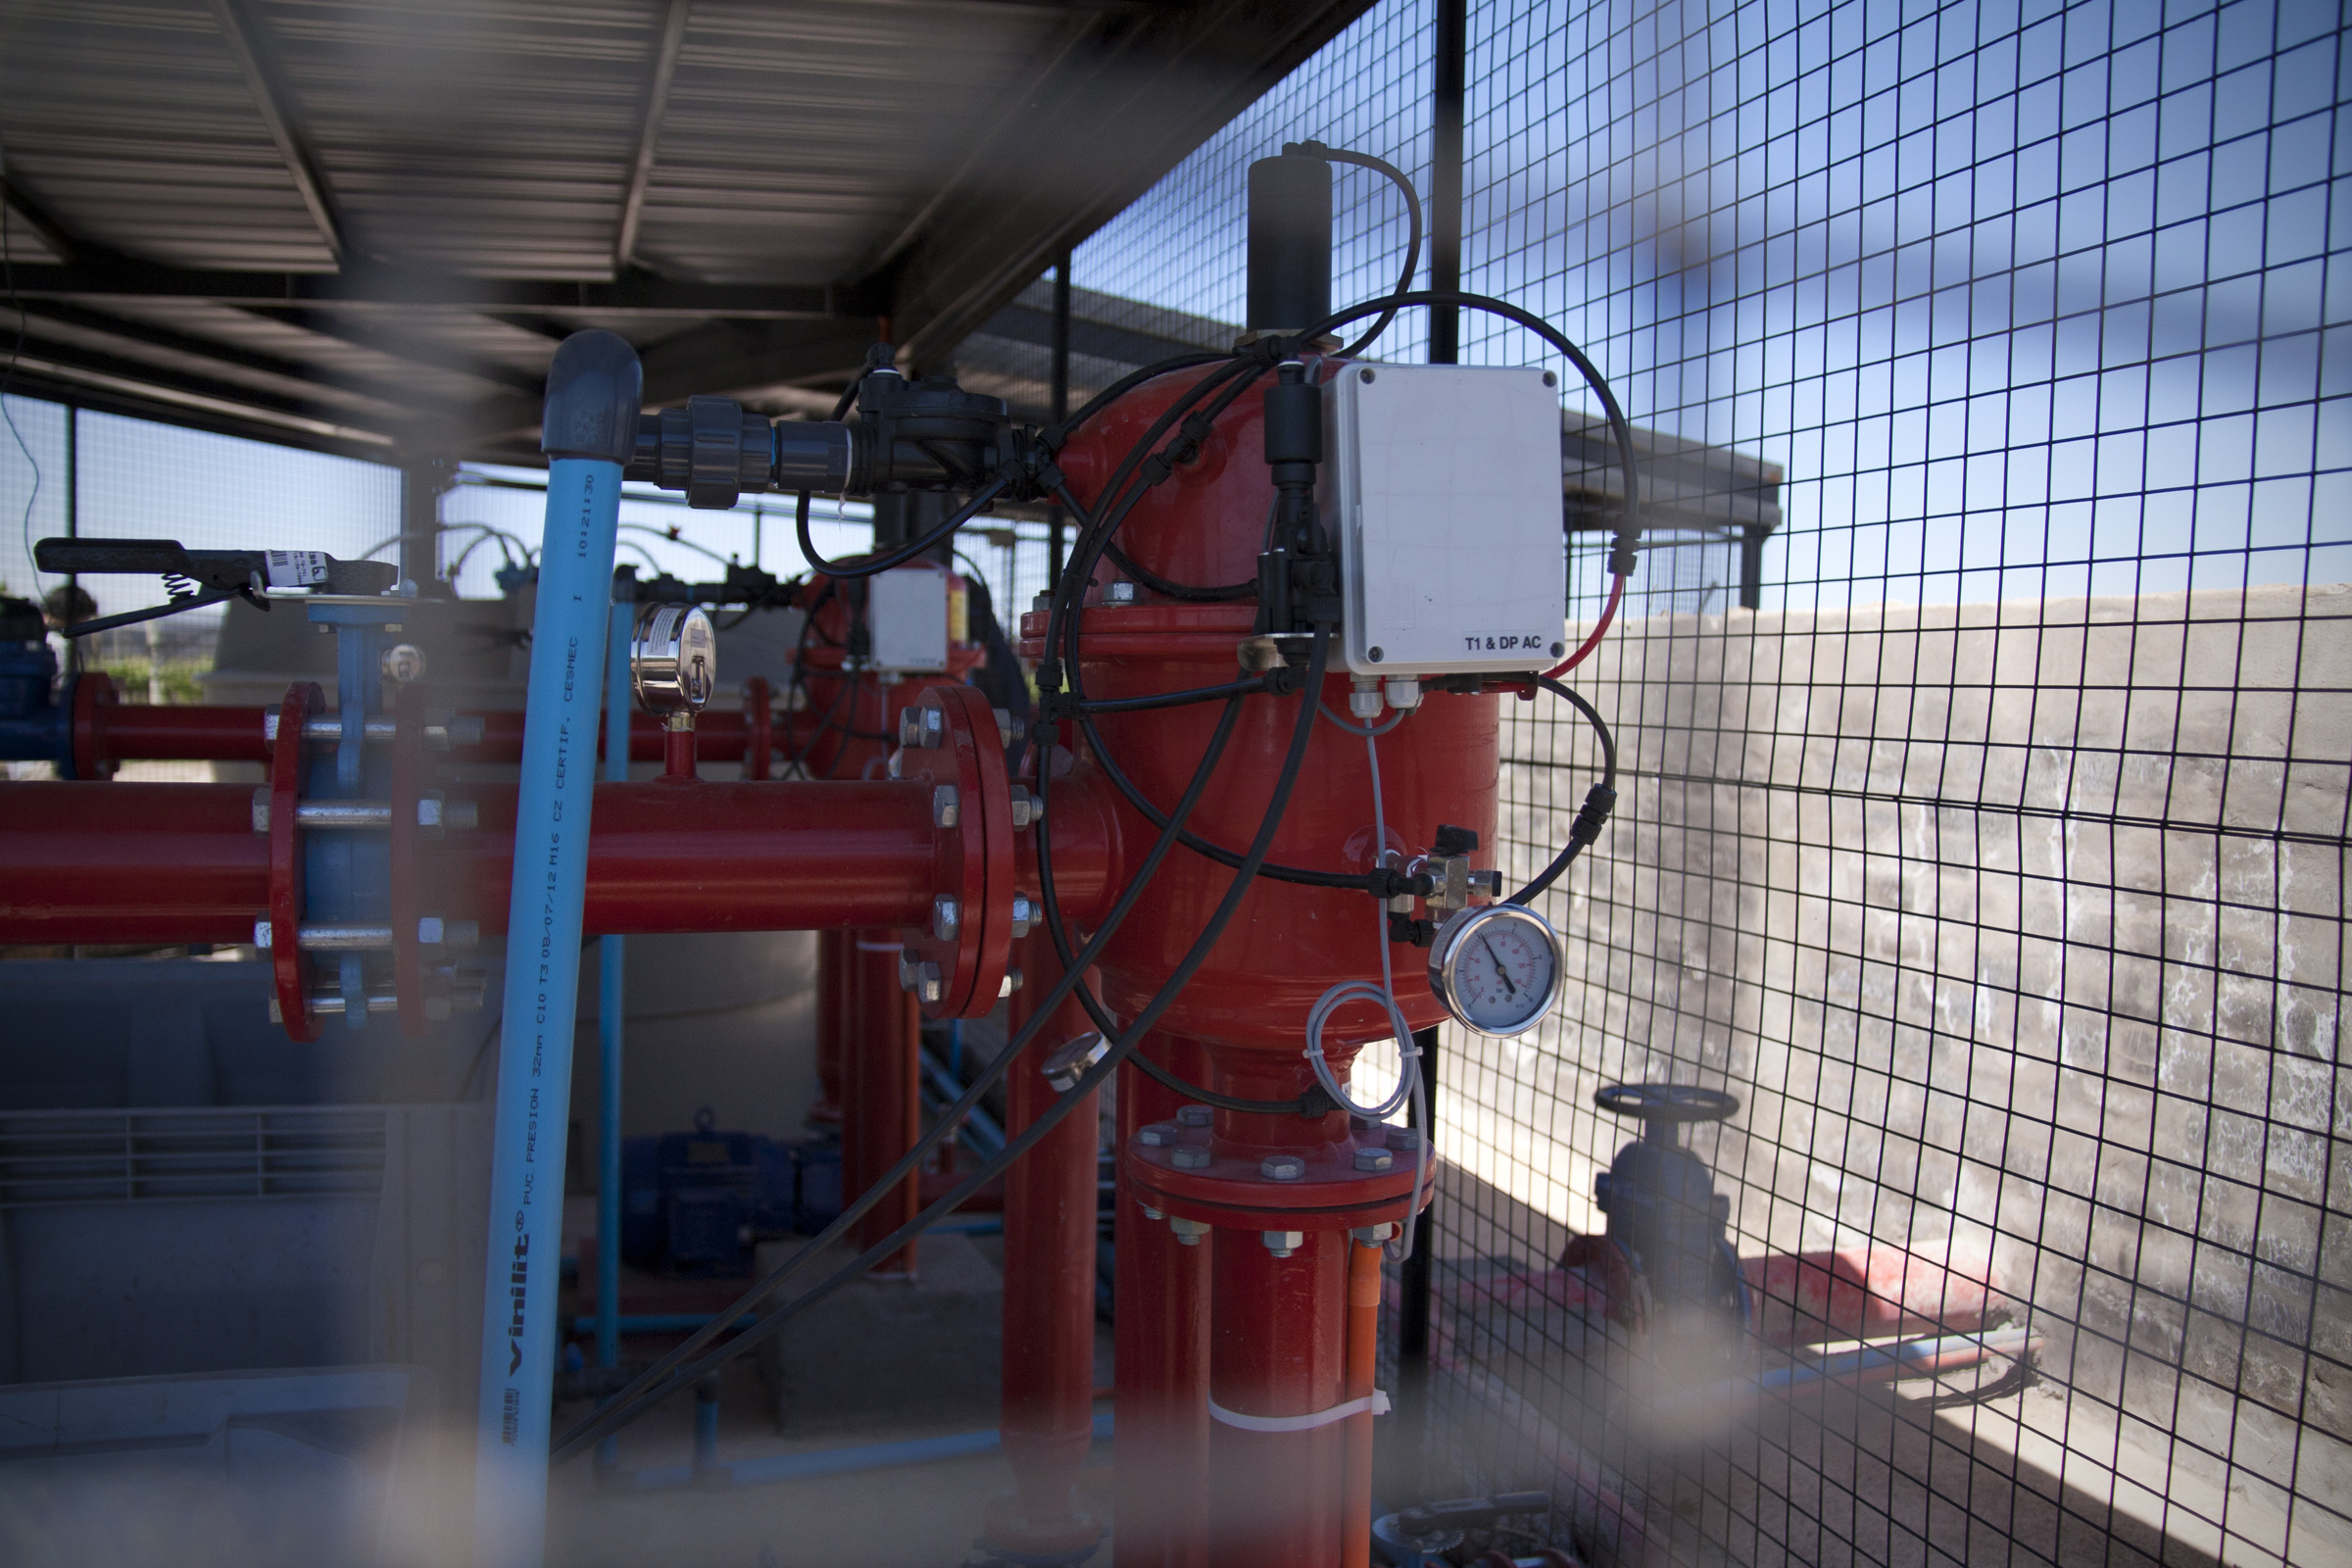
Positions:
{"x": 1049, "y": 1206}
{"x": 1160, "y": 1338}
{"x": 131, "y": 862}
{"x": 1278, "y": 1347}
{"x": 882, "y": 1111}
{"x": 1363, "y": 1359}
{"x": 141, "y": 732}
{"x": 833, "y": 951}
{"x": 1862, "y": 1292}
{"x": 181, "y": 863}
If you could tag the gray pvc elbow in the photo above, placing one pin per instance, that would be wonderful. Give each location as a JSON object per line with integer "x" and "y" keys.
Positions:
{"x": 595, "y": 388}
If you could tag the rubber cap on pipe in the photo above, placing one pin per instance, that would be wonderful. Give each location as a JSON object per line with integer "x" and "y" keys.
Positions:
{"x": 593, "y": 389}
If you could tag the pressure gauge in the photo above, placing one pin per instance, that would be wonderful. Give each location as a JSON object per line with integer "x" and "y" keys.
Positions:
{"x": 674, "y": 661}
{"x": 1496, "y": 969}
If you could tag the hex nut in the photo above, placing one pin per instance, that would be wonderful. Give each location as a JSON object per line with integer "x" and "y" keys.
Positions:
{"x": 1160, "y": 1135}
{"x": 1024, "y": 915}
{"x": 1374, "y": 1159}
{"x": 1404, "y": 1140}
{"x": 1188, "y": 1231}
{"x": 261, "y": 811}
{"x": 1194, "y": 1116}
{"x": 1192, "y": 1157}
{"x": 1281, "y": 1167}
{"x": 927, "y": 987}
{"x": 1011, "y": 983}
{"x": 1282, "y": 1244}
{"x": 1372, "y": 1235}
{"x": 1026, "y": 808}
{"x": 1149, "y": 1212}
{"x": 946, "y": 916}
{"x": 1118, "y": 593}
{"x": 944, "y": 804}
{"x": 922, "y": 727}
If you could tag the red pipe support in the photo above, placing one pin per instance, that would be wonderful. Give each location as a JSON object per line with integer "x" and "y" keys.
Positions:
{"x": 1049, "y": 1206}
{"x": 882, "y": 1115}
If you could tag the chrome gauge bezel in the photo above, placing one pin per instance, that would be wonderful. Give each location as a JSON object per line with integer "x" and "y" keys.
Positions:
{"x": 1445, "y": 961}
{"x": 673, "y": 660}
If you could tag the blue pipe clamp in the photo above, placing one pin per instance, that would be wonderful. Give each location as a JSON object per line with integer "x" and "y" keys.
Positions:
{"x": 594, "y": 390}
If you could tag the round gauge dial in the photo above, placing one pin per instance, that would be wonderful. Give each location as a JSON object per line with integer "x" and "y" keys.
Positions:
{"x": 1496, "y": 969}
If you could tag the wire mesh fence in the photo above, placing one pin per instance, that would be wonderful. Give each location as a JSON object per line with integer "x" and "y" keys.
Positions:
{"x": 1984, "y": 827}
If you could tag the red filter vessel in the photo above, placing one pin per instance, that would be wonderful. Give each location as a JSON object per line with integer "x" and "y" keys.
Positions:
{"x": 1279, "y": 1194}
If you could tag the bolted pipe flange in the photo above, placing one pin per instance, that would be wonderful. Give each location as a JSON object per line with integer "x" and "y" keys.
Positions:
{"x": 1282, "y": 1244}
{"x": 1281, "y": 1167}
{"x": 1194, "y": 1115}
{"x": 955, "y": 759}
{"x": 1191, "y": 1157}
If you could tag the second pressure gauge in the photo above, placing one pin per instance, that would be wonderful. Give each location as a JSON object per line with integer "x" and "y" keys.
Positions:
{"x": 1496, "y": 969}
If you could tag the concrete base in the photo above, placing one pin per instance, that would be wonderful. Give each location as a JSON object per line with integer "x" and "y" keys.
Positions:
{"x": 891, "y": 1352}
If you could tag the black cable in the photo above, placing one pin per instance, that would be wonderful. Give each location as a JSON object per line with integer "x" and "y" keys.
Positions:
{"x": 613, "y": 1417}
{"x": 1599, "y": 800}
{"x": 1413, "y": 249}
{"x": 872, "y": 565}
{"x": 1060, "y": 434}
{"x": 598, "y": 1425}
{"x": 1195, "y": 694}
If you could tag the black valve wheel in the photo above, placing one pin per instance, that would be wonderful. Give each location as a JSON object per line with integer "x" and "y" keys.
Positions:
{"x": 1667, "y": 1103}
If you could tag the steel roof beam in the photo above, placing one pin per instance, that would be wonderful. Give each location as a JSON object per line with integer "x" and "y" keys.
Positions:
{"x": 360, "y": 332}
{"x": 53, "y": 234}
{"x": 271, "y": 98}
{"x": 227, "y": 355}
{"x": 121, "y": 277}
{"x": 138, "y": 379}
{"x": 648, "y": 131}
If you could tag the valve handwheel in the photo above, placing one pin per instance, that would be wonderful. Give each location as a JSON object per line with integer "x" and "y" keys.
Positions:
{"x": 1669, "y": 1104}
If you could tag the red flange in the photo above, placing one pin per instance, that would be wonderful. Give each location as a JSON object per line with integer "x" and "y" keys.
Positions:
{"x": 973, "y": 816}
{"x": 94, "y": 702}
{"x": 289, "y": 965}
{"x": 1233, "y": 1188}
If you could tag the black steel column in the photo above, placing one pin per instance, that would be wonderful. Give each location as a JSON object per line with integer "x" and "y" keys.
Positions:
{"x": 1055, "y": 541}
{"x": 422, "y": 481}
{"x": 1451, "y": 72}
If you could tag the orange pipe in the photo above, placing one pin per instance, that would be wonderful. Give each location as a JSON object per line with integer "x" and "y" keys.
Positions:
{"x": 1363, "y": 1355}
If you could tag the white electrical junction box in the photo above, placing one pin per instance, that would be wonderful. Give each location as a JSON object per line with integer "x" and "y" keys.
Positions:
{"x": 1442, "y": 486}
{"x": 906, "y": 618}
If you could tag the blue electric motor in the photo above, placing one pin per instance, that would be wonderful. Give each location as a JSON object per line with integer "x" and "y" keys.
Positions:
{"x": 692, "y": 1203}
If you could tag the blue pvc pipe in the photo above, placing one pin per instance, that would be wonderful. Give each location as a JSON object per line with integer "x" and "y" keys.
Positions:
{"x": 589, "y": 430}
{"x": 610, "y": 959}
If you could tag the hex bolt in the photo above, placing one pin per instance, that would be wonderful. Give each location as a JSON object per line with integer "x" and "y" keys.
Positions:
{"x": 1372, "y": 1235}
{"x": 1149, "y": 1212}
{"x": 943, "y": 810}
{"x": 1374, "y": 1159}
{"x": 1191, "y": 1157}
{"x": 907, "y": 968}
{"x": 1281, "y": 1167}
{"x": 1008, "y": 728}
{"x": 1188, "y": 1231}
{"x": 1118, "y": 593}
{"x": 1024, "y": 915}
{"x": 1404, "y": 1140}
{"x": 927, "y": 987}
{"x": 1282, "y": 1244}
{"x": 1160, "y": 1135}
{"x": 1194, "y": 1116}
{"x": 946, "y": 915}
{"x": 1011, "y": 983}
{"x": 922, "y": 727}
{"x": 911, "y": 726}
{"x": 1026, "y": 808}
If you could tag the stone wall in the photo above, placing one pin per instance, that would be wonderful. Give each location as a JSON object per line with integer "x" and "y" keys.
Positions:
{"x": 2017, "y": 926}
